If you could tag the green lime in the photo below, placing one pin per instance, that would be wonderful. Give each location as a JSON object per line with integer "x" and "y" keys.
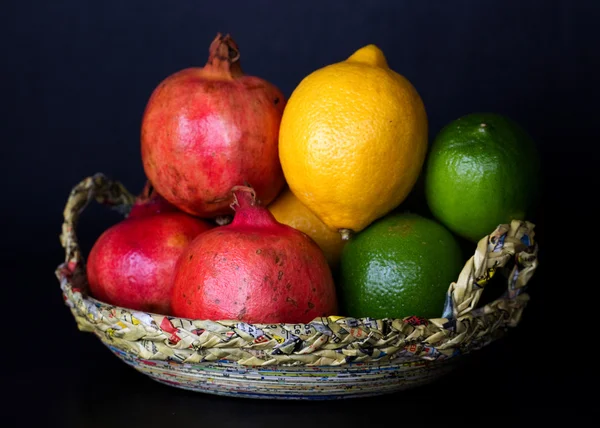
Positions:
{"x": 401, "y": 265}
{"x": 482, "y": 170}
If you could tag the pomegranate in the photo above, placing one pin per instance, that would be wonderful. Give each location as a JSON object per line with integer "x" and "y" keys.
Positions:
{"x": 131, "y": 263}
{"x": 255, "y": 269}
{"x": 207, "y": 129}
{"x": 150, "y": 202}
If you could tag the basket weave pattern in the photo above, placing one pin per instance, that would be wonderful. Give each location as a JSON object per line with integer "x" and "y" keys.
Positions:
{"x": 331, "y": 341}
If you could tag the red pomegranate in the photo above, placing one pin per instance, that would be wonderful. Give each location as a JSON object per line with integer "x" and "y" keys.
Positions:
{"x": 204, "y": 130}
{"x": 150, "y": 202}
{"x": 131, "y": 263}
{"x": 254, "y": 270}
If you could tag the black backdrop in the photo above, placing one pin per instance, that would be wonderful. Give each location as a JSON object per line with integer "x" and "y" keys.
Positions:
{"x": 75, "y": 78}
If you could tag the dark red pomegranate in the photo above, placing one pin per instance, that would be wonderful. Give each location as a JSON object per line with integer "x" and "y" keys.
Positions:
{"x": 150, "y": 202}
{"x": 204, "y": 130}
{"x": 255, "y": 270}
{"x": 131, "y": 264}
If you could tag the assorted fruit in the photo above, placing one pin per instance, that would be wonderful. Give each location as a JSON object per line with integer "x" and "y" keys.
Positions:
{"x": 267, "y": 210}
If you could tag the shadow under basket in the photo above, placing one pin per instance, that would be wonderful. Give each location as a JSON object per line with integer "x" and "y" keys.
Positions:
{"x": 328, "y": 358}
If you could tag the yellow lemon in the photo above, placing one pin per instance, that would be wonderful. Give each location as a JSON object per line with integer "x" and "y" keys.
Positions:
{"x": 352, "y": 140}
{"x": 287, "y": 209}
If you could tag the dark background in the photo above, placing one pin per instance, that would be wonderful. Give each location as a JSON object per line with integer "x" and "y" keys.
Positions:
{"x": 75, "y": 78}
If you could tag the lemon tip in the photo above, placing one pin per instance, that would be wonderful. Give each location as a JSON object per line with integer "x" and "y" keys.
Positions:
{"x": 371, "y": 55}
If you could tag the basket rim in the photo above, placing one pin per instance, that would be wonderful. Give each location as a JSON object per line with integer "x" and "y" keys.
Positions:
{"x": 463, "y": 326}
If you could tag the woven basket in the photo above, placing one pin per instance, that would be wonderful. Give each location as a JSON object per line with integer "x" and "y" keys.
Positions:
{"x": 331, "y": 357}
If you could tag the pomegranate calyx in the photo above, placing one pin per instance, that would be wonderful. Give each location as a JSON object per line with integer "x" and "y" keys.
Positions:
{"x": 146, "y": 193}
{"x": 243, "y": 197}
{"x": 224, "y": 57}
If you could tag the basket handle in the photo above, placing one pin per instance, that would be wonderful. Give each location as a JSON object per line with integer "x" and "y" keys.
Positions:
{"x": 509, "y": 245}
{"x": 97, "y": 187}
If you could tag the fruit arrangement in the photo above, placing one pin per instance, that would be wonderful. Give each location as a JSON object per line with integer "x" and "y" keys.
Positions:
{"x": 266, "y": 210}
{"x": 276, "y": 231}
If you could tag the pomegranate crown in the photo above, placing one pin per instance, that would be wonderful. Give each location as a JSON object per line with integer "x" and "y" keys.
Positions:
{"x": 224, "y": 48}
{"x": 243, "y": 196}
{"x": 224, "y": 56}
